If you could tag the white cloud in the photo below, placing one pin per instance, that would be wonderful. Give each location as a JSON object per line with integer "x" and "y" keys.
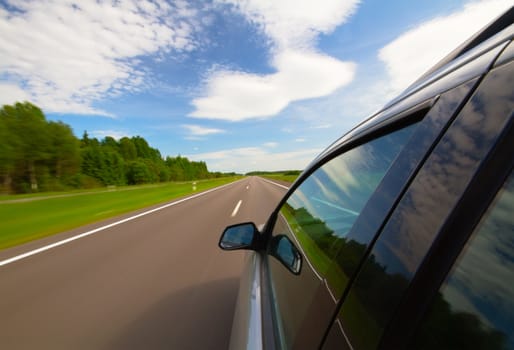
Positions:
{"x": 417, "y": 50}
{"x": 65, "y": 56}
{"x": 405, "y": 58}
{"x": 196, "y": 130}
{"x": 255, "y": 158}
{"x": 10, "y": 93}
{"x": 271, "y": 144}
{"x": 115, "y": 134}
{"x": 301, "y": 71}
{"x": 237, "y": 96}
{"x": 295, "y": 23}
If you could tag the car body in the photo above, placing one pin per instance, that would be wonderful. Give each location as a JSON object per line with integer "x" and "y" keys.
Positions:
{"x": 401, "y": 233}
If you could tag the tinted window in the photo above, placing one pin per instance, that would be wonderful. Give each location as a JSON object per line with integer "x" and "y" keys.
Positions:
{"x": 316, "y": 219}
{"x": 424, "y": 210}
{"x": 474, "y": 308}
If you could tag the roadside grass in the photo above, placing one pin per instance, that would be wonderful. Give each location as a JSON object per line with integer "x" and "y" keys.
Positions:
{"x": 281, "y": 177}
{"x": 26, "y": 218}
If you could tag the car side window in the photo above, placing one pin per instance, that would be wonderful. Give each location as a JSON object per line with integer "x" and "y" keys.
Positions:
{"x": 310, "y": 230}
{"x": 474, "y": 308}
{"x": 323, "y": 209}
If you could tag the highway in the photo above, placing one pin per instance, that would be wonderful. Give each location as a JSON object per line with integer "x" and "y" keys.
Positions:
{"x": 153, "y": 281}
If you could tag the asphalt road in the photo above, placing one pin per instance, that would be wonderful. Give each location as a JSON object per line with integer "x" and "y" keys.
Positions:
{"x": 157, "y": 281}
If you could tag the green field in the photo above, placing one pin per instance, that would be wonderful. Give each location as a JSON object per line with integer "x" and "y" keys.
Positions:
{"x": 281, "y": 177}
{"x": 26, "y": 218}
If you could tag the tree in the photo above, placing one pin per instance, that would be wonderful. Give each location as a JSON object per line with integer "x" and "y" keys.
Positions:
{"x": 8, "y": 144}
{"x": 36, "y": 154}
{"x": 33, "y": 140}
{"x": 138, "y": 173}
{"x": 103, "y": 163}
{"x": 128, "y": 149}
{"x": 64, "y": 150}
{"x": 110, "y": 142}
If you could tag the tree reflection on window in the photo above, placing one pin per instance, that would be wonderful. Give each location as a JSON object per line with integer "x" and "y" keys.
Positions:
{"x": 475, "y": 306}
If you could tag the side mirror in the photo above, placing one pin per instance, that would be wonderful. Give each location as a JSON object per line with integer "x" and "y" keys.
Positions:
{"x": 240, "y": 236}
{"x": 285, "y": 251}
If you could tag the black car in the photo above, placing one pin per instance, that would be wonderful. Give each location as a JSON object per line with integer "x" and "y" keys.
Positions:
{"x": 401, "y": 234}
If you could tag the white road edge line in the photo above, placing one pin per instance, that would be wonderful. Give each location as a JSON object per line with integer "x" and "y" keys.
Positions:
{"x": 236, "y": 209}
{"x": 88, "y": 233}
{"x": 274, "y": 183}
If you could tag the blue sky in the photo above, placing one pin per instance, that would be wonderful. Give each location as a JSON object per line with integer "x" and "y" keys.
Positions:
{"x": 241, "y": 84}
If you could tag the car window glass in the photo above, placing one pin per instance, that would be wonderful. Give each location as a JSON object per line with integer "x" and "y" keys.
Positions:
{"x": 315, "y": 219}
{"x": 474, "y": 308}
{"x": 323, "y": 209}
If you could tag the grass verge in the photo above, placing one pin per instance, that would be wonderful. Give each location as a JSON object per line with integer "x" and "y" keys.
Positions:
{"x": 281, "y": 177}
{"x": 23, "y": 219}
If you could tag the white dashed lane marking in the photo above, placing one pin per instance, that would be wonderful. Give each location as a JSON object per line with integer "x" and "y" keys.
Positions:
{"x": 236, "y": 209}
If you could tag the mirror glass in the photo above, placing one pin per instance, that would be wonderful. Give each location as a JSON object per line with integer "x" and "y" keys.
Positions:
{"x": 238, "y": 236}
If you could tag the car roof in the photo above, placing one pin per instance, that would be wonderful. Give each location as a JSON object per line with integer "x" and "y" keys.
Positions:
{"x": 471, "y": 59}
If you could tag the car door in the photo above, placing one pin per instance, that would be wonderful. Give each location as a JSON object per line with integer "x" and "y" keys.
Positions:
{"x": 430, "y": 225}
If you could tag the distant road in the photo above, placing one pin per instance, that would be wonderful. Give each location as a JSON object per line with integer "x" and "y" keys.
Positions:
{"x": 156, "y": 281}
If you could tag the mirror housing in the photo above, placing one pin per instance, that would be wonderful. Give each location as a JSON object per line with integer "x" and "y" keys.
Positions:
{"x": 286, "y": 252}
{"x": 240, "y": 236}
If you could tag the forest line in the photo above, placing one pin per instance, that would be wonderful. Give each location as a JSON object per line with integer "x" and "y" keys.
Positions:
{"x": 38, "y": 155}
